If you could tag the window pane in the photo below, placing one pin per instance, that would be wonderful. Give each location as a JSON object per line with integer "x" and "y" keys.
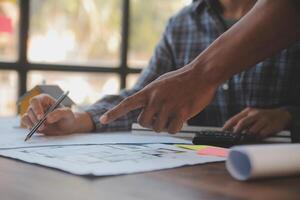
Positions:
{"x": 9, "y": 22}
{"x": 131, "y": 80}
{"x": 148, "y": 20}
{"x": 75, "y": 32}
{"x": 85, "y": 88}
{"x": 8, "y": 92}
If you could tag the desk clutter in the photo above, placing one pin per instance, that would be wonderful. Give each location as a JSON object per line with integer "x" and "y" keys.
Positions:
{"x": 126, "y": 153}
{"x": 100, "y": 154}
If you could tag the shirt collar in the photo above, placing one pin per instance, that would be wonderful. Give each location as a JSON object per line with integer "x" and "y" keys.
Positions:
{"x": 197, "y": 5}
{"x": 200, "y": 4}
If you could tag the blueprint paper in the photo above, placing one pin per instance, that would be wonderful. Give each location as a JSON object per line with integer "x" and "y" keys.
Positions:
{"x": 103, "y": 160}
{"x": 259, "y": 161}
{"x": 12, "y": 137}
{"x": 15, "y": 139}
{"x": 97, "y": 154}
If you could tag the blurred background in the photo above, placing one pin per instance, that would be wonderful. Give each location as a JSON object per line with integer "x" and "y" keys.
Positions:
{"x": 90, "y": 47}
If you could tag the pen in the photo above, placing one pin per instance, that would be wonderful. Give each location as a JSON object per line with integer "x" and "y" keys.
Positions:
{"x": 41, "y": 121}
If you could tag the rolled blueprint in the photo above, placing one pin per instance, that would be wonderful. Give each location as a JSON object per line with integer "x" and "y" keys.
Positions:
{"x": 259, "y": 161}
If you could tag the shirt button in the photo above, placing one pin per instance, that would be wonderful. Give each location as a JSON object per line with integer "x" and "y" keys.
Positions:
{"x": 225, "y": 86}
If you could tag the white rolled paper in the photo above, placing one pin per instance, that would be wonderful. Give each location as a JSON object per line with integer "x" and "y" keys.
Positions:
{"x": 259, "y": 161}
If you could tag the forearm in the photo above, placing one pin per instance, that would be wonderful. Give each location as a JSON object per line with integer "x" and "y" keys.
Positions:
{"x": 270, "y": 26}
{"x": 84, "y": 123}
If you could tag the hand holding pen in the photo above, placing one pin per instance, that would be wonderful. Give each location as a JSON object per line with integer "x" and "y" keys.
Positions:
{"x": 44, "y": 117}
{"x": 61, "y": 121}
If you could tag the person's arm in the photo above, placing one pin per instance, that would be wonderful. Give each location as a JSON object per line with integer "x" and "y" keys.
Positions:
{"x": 268, "y": 27}
{"x": 176, "y": 97}
{"x": 64, "y": 121}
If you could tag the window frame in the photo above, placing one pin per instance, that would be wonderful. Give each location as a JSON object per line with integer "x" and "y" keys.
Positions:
{"x": 22, "y": 66}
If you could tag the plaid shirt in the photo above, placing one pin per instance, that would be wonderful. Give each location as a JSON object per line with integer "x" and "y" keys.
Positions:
{"x": 271, "y": 83}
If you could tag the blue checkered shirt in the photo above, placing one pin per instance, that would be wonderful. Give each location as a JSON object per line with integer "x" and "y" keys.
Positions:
{"x": 272, "y": 83}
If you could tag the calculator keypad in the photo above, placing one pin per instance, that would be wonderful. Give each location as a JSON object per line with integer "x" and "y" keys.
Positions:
{"x": 222, "y": 138}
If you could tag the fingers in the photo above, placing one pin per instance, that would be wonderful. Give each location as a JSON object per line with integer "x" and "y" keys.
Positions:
{"x": 175, "y": 125}
{"x": 58, "y": 114}
{"x": 32, "y": 116}
{"x": 149, "y": 114}
{"x": 260, "y": 122}
{"x": 257, "y": 127}
{"x": 26, "y": 121}
{"x": 36, "y": 107}
{"x": 29, "y": 119}
{"x": 231, "y": 123}
{"x": 131, "y": 103}
{"x": 146, "y": 117}
{"x": 161, "y": 121}
{"x": 244, "y": 124}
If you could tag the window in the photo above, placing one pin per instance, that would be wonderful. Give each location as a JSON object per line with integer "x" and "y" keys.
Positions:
{"x": 8, "y": 92}
{"x": 78, "y": 32}
{"x": 90, "y": 47}
{"x": 9, "y": 18}
{"x": 131, "y": 80}
{"x": 85, "y": 88}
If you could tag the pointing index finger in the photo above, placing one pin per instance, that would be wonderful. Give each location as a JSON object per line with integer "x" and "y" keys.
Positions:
{"x": 125, "y": 106}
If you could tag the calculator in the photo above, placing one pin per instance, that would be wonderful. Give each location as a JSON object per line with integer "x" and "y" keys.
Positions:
{"x": 223, "y": 138}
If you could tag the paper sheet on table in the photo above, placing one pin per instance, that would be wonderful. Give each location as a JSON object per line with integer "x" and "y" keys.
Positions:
{"x": 11, "y": 137}
{"x": 15, "y": 139}
{"x": 258, "y": 161}
{"x": 102, "y": 160}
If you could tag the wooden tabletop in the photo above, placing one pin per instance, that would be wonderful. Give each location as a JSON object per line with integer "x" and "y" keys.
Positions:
{"x": 24, "y": 181}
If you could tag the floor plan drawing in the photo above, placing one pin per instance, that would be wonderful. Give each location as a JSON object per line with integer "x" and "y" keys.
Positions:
{"x": 101, "y": 160}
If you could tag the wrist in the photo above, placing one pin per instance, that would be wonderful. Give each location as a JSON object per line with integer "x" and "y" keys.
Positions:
{"x": 83, "y": 123}
{"x": 287, "y": 116}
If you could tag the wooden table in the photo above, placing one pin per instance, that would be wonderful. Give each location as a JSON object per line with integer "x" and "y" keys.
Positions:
{"x": 19, "y": 180}
{"x": 24, "y": 181}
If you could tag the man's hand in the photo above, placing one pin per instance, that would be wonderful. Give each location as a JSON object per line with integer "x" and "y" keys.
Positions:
{"x": 167, "y": 102}
{"x": 172, "y": 99}
{"x": 61, "y": 121}
{"x": 261, "y": 122}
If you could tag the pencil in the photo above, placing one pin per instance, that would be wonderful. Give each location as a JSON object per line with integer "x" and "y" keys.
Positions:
{"x": 41, "y": 121}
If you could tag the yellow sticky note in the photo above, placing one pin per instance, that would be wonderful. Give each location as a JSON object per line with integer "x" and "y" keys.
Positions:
{"x": 192, "y": 147}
